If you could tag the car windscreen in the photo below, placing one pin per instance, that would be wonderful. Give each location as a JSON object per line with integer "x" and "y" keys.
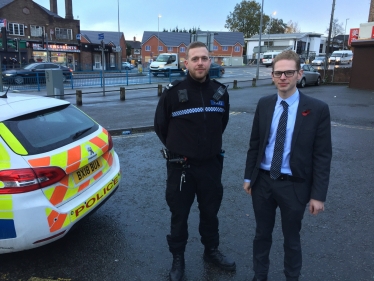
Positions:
{"x": 162, "y": 58}
{"x": 336, "y": 55}
{"x": 268, "y": 56}
{"x": 319, "y": 58}
{"x": 49, "y": 129}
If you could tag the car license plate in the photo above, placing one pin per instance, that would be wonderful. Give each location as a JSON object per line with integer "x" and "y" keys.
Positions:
{"x": 86, "y": 171}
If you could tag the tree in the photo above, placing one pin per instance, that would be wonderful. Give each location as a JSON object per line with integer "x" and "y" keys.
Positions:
{"x": 336, "y": 28}
{"x": 292, "y": 27}
{"x": 128, "y": 49}
{"x": 276, "y": 26}
{"x": 246, "y": 18}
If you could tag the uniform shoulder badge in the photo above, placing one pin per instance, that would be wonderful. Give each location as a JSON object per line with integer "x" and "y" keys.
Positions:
{"x": 219, "y": 83}
{"x": 172, "y": 84}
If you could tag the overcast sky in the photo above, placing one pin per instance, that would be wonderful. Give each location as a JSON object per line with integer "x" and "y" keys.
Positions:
{"x": 142, "y": 15}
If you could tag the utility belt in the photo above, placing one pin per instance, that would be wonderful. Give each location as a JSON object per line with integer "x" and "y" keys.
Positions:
{"x": 180, "y": 159}
{"x": 173, "y": 157}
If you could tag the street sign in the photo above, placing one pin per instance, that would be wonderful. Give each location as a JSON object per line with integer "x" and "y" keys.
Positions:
{"x": 101, "y": 36}
{"x": 78, "y": 36}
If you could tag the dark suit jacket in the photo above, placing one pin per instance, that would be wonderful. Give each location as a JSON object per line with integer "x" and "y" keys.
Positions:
{"x": 311, "y": 148}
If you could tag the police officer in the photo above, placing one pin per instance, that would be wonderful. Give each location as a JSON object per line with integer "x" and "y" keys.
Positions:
{"x": 190, "y": 119}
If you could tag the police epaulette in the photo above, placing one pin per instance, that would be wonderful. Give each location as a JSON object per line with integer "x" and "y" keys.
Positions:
{"x": 214, "y": 80}
{"x": 172, "y": 84}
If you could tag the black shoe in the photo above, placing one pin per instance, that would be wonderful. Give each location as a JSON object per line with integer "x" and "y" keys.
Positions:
{"x": 255, "y": 279}
{"x": 216, "y": 257}
{"x": 177, "y": 268}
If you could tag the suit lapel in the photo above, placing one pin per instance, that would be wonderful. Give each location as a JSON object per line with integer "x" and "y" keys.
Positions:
{"x": 269, "y": 118}
{"x": 303, "y": 105}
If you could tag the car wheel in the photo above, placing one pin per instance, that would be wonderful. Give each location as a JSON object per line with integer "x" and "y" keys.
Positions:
{"x": 318, "y": 82}
{"x": 302, "y": 83}
{"x": 18, "y": 80}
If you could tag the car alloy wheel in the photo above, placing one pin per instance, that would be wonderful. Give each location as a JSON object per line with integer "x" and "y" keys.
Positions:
{"x": 302, "y": 83}
{"x": 318, "y": 82}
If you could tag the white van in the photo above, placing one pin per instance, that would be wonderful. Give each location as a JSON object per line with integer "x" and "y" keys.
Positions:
{"x": 340, "y": 57}
{"x": 268, "y": 58}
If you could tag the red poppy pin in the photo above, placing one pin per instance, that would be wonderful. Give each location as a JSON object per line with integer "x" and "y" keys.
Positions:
{"x": 305, "y": 112}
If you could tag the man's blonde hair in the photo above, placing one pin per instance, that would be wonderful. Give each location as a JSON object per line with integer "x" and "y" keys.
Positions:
{"x": 288, "y": 55}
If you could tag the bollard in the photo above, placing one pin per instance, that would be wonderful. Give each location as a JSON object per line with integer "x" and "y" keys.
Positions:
{"x": 78, "y": 96}
{"x": 254, "y": 82}
{"x": 159, "y": 90}
{"x": 235, "y": 86}
{"x": 122, "y": 93}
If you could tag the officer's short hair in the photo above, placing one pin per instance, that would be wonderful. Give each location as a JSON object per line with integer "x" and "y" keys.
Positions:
{"x": 193, "y": 45}
{"x": 288, "y": 55}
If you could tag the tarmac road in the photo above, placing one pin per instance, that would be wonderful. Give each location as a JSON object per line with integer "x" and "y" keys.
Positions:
{"x": 126, "y": 238}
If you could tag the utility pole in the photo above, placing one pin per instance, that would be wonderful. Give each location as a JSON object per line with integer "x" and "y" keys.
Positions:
{"x": 103, "y": 64}
{"x": 259, "y": 43}
{"x": 329, "y": 36}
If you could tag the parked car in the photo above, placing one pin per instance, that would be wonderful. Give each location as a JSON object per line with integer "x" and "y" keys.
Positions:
{"x": 310, "y": 76}
{"x": 340, "y": 57}
{"x": 215, "y": 70}
{"x": 57, "y": 166}
{"x": 127, "y": 65}
{"x": 320, "y": 61}
{"x": 34, "y": 71}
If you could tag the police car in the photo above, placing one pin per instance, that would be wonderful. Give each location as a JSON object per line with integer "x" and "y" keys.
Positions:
{"x": 57, "y": 165}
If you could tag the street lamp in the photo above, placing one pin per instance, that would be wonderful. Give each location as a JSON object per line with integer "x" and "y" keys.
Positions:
{"x": 345, "y": 32}
{"x": 158, "y": 34}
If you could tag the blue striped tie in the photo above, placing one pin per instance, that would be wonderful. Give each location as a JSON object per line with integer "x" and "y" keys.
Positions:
{"x": 276, "y": 162}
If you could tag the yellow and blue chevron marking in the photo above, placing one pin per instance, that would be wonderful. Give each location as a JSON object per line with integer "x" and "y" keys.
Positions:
{"x": 7, "y": 228}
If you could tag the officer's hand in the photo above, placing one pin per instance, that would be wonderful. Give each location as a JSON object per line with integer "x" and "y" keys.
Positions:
{"x": 247, "y": 187}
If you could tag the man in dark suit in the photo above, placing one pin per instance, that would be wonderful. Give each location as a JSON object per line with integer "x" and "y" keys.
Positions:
{"x": 288, "y": 164}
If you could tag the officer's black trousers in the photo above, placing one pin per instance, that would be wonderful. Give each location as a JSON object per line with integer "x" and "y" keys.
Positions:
{"x": 204, "y": 180}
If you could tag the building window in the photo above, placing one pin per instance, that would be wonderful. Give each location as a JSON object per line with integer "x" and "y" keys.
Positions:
{"x": 63, "y": 33}
{"x": 215, "y": 47}
{"x": 236, "y": 49}
{"x": 16, "y": 29}
{"x": 225, "y": 48}
{"x": 160, "y": 48}
{"x": 170, "y": 49}
{"x": 147, "y": 48}
{"x": 36, "y": 30}
{"x": 182, "y": 49}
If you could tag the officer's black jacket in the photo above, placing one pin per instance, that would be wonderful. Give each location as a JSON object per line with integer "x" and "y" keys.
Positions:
{"x": 193, "y": 128}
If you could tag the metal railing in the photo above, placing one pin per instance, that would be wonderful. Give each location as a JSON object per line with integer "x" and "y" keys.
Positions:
{"x": 87, "y": 79}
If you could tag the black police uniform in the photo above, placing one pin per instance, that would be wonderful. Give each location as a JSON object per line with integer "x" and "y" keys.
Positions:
{"x": 190, "y": 123}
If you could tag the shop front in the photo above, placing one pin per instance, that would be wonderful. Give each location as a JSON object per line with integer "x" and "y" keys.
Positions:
{"x": 63, "y": 54}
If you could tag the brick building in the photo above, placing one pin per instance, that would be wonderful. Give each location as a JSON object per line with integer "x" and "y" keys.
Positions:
{"x": 227, "y": 47}
{"x": 34, "y": 33}
{"x": 136, "y": 47}
{"x": 91, "y": 51}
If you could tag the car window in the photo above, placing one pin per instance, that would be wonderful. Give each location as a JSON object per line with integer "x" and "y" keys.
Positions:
{"x": 39, "y": 67}
{"x": 306, "y": 67}
{"x": 46, "y": 130}
{"x": 50, "y": 66}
